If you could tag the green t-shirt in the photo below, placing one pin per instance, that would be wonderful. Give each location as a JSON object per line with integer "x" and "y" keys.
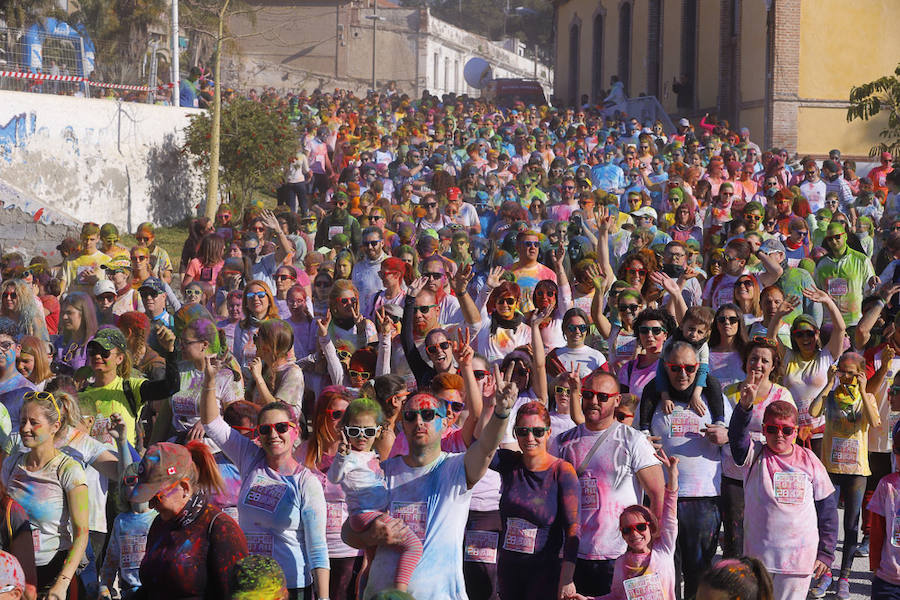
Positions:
{"x": 101, "y": 402}
{"x": 844, "y": 279}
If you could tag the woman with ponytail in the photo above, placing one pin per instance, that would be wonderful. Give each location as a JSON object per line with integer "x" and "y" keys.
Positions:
{"x": 52, "y": 488}
{"x": 192, "y": 546}
{"x": 276, "y": 377}
{"x": 743, "y": 578}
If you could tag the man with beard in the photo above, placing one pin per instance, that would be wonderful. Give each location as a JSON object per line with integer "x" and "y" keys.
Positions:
{"x": 843, "y": 272}
{"x": 366, "y": 272}
{"x": 338, "y": 221}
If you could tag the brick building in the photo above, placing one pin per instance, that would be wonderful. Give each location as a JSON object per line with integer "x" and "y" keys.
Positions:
{"x": 783, "y": 68}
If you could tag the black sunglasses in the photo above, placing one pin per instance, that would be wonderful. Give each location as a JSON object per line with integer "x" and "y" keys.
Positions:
{"x": 601, "y": 396}
{"x": 786, "y": 430}
{"x": 537, "y": 432}
{"x": 281, "y": 427}
{"x": 427, "y": 415}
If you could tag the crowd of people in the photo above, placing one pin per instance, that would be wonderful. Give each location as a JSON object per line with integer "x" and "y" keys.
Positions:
{"x": 474, "y": 352}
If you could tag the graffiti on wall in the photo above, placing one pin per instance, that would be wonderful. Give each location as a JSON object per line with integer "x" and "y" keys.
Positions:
{"x": 14, "y": 133}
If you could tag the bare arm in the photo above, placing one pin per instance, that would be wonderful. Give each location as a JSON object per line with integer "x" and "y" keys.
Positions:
{"x": 464, "y": 353}
{"x": 654, "y": 485}
{"x": 460, "y": 285}
{"x": 818, "y": 405}
{"x": 773, "y": 270}
{"x": 479, "y": 454}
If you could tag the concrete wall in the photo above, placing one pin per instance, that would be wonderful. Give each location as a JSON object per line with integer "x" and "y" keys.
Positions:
{"x": 98, "y": 160}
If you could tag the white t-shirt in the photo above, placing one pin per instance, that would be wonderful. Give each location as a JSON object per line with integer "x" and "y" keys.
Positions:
{"x": 880, "y": 437}
{"x": 434, "y": 502}
{"x": 609, "y": 483}
{"x": 587, "y": 358}
{"x": 814, "y": 194}
{"x": 719, "y": 290}
{"x": 186, "y": 401}
{"x": 805, "y": 379}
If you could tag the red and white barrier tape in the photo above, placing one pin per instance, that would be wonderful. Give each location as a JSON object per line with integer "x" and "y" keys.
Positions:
{"x": 72, "y": 78}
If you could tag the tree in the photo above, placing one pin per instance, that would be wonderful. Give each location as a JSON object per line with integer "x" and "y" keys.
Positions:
{"x": 871, "y": 98}
{"x": 489, "y": 17}
{"x": 257, "y": 142}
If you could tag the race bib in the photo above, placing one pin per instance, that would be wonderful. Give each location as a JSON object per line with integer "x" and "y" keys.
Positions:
{"x": 645, "y": 587}
{"x": 100, "y": 430}
{"x": 414, "y": 514}
{"x": 132, "y": 548}
{"x": 844, "y": 451}
{"x": 724, "y": 295}
{"x": 231, "y": 511}
{"x": 789, "y": 488}
{"x": 590, "y": 493}
{"x": 260, "y": 543}
{"x": 521, "y": 536}
{"x": 684, "y": 423}
{"x": 184, "y": 406}
{"x": 481, "y": 547}
{"x": 36, "y": 539}
{"x": 837, "y": 286}
{"x": 265, "y": 493}
{"x": 335, "y": 230}
{"x": 336, "y": 514}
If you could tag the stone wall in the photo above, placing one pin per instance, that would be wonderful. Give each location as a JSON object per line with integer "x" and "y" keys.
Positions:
{"x": 98, "y": 160}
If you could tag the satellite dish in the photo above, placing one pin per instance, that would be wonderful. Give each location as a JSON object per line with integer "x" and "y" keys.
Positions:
{"x": 477, "y": 72}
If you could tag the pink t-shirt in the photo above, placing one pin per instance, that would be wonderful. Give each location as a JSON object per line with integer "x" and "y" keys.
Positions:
{"x": 609, "y": 483}
{"x": 636, "y": 377}
{"x": 780, "y": 493}
{"x": 886, "y": 502}
{"x": 200, "y": 273}
{"x": 652, "y": 575}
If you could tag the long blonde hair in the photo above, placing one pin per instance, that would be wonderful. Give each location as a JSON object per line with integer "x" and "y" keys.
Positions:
{"x": 38, "y": 349}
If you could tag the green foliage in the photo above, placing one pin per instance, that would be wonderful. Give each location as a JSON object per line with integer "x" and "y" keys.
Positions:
{"x": 871, "y": 98}
{"x": 486, "y": 17}
{"x": 20, "y": 14}
{"x": 257, "y": 142}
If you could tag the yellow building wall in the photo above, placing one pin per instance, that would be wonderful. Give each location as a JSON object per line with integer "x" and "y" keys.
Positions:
{"x": 671, "y": 54}
{"x": 755, "y": 120}
{"x": 859, "y": 40}
{"x": 753, "y": 50}
{"x": 821, "y": 129}
{"x": 640, "y": 13}
{"x": 708, "y": 53}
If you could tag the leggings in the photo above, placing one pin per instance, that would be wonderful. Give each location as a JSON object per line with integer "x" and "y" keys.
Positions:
{"x": 410, "y": 547}
{"x": 732, "y": 517}
{"x": 851, "y": 488}
{"x": 880, "y": 465}
{"x": 342, "y": 578}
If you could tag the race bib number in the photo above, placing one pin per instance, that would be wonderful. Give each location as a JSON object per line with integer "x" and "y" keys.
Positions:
{"x": 684, "y": 423}
{"x": 895, "y": 536}
{"x": 645, "y": 587}
{"x": 36, "y": 539}
{"x": 265, "y": 493}
{"x": 590, "y": 493}
{"x": 132, "y": 548}
{"x": 844, "y": 451}
{"x": 260, "y": 543}
{"x": 521, "y": 536}
{"x": 184, "y": 406}
{"x": 837, "y": 286}
{"x": 336, "y": 514}
{"x": 481, "y": 546}
{"x": 724, "y": 295}
{"x": 100, "y": 430}
{"x": 335, "y": 230}
{"x": 414, "y": 514}
{"x": 789, "y": 488}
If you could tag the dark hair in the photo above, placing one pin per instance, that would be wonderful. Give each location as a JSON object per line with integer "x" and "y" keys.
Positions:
{"x": 759, "y": 342}
{"x": 574, "y": 312}
{"x": 387, "y": 386}
{"x": 781, "y": 409}
{"x": 9, "y": 327}
{"x": 291, "y": 412}
{"x": 654, "y": 314}
{"x": 741, "y": 339}
{"x": 744, "y": 578}
{"x": 741, "y": 248}
{"x": 239, "y": 411}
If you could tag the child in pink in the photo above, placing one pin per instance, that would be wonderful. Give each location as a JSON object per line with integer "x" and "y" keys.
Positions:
{"x": 647, "y": 569}
{"x": 884, "y": 544}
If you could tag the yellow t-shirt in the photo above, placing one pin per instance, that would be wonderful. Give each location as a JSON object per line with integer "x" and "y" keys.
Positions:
{"x": 78, "y": 268}
{"x": 845, "y": 445}
{"x": 101, "y": 402}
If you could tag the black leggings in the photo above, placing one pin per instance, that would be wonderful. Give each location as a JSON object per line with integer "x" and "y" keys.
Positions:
{"x": 851, "y": 488}
{"x": 342, "y": 578}
{"x": 732, "y": 517}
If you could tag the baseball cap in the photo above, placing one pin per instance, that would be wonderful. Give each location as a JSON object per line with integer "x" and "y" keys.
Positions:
{"x": 803, "y": 320}
{"x": 109, "y": 338}
{"x": 394, "y": 310}
{"x": 453, "y": 193}
{"x": 162, "y": 465}
{"x": 644, "y": 211}
{"x": 104, "y": 286}
{"x": 887, "y": 156}
{"x": 115, "y": 265}
{"x": 684, "y": 122}
{"x": 12, "y": 576}
{"x": 154, "y": 284}
{"x": 772, "y": 245}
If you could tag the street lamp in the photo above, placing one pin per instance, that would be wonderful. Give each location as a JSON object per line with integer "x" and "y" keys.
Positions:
{"x": 374, "y": 18}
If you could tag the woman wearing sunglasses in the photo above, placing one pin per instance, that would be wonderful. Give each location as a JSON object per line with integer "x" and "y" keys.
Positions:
{"x": 281, "y": 502}
{"x": 259, "y": 305}
{"x": 539, "y": 492}
{"x": 652, "y": 327}
{"x": 621, "y": 336}
{"x": 726, "y": 345}
{"x": 503, "y": 327}
{"x": 746, "y": 296}
{"x": 575, "y": 329}
{"x": 317, "y": 454}
{"x": 160, "y": 263}
{"x": 52, "y": 488}
{"x": 18, "y": 302}
{"x": 635, "y": 270}
{"x": 347, "y": 326}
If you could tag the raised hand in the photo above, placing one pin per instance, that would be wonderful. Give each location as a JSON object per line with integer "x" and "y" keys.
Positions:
{"x": 507, "y": 392}
{"x": 559, "y": 255}
{"x": 538, "y": 316}
{"x": 748, "y": 392}
{"x": 603, "y": 219}
{"x": 665, "y": 282}
{"x": 416, "y": 286}
{"x": 384, "y": 322}
{"x": 462, "y": 348}
{"x": 593, "y": 271}
{"x": 323, "y": 323}
{"x": 256, "y": 367}
{"x": 814, "y": 294}
{"x": 573, "y": 379}
{"x": 460, "y": 282}
{"x": 493, "y": 278}
{"x": 354, "y": 312}
{"x": 211, "y": 366}
{"x": 166, "y": 337}
{"x": 116, "y": 427}
{"x": 344, "y": 444}
{"x": 270, "y": 220}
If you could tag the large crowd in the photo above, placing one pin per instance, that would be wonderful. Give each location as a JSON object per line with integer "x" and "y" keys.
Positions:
{"x": 474, "y": 352}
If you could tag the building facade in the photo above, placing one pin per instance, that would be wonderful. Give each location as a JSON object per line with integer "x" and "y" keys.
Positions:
{"x": 327, "y": 44}
{"x": 782, "y": 68}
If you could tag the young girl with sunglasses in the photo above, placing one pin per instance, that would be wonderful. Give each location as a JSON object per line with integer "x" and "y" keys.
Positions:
{"x": 358, "y": 471}
{"x": 648, "y": 566}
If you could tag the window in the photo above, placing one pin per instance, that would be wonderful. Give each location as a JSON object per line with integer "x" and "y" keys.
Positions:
{"x": 688, "y": 54}
{"x": 597, "y": 58}
{"x": 654, "y": 46}
{"x": 574, "y": 48}
{"x": 446, "y": 75}
{"x": 624, "y": 66}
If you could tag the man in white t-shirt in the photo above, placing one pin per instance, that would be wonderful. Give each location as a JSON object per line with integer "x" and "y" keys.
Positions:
{"x": 429, "y": 491}
{"x": 813, "y": 188}
{"x": 614, "y": 462}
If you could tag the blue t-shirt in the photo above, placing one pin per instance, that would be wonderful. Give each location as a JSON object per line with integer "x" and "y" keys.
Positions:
{"x": 11, "y": 392}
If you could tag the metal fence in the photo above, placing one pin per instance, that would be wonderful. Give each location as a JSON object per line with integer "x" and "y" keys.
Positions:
{"x": 55, "y": 58}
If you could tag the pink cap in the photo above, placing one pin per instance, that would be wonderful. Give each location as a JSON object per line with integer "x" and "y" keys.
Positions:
{"x": 11, "y": 574}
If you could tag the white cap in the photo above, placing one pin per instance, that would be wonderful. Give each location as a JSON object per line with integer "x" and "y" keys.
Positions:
{"x": 684, "y": 122}
{"x": 644, "y": 211}
{"x": 104, "y": 286}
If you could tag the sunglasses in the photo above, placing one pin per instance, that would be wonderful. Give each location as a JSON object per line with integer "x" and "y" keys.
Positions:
{"x": 433, "y": 349}
{"x": 95, "y": 349}
{"x": 143, "y": 239}
{"x": 629, "y": 308}
{"x": 10, "y": 295}
{"x": 334, "y": 414}
{"x": 430, "y": 204}
{"x": 786, "y": 430}
{"x": 344, "y": 355}
{"x": 348, "y": 301}
{"x": 251, "y": 430}
{"x": 139, "y": 258}
{"x": 675, "y": 368}
{"x": 106, "y": 298}
{"x": 193, "y": 292}
{"x": 531, "y": 244}
{"x": 647, "y": 329}
{"x": 629, "y": 529}
{"x": 281, "y": 427}
{"x": 360, "y": 374}
{"x": 621, "y": 416}
{"x": 479, "y": 375}
{"x": 284, "y": 278}
{"x": 427, "y": 415}
{"x": 805, "y": 334}
{"x": 537, "y": 432}
{"x": 371, "y": 243}
{"x": 601, "y": 397}
{"x": 456, "y": 406}
{"x": 508, "y": 301}
{"x": 835, "y": 237}
{"x": 727, "y": 320}
{"x": 251, "y": 295}
{"x": 561, "y": 389}
{"x": 360, "y": 432}
{"x": 433, "y": 275}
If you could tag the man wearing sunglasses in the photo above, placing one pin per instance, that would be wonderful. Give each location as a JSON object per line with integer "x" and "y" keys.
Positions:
{"x": 82, "y": 272}
{"x": 266, "y": 265}
{"x": 697, "y": 442}
{"x": 153, "y": 295}
{"x": 844, "y": 273}
{"x": 430, "y": 491}
{"x": 527, "y": 269}
{"x": 613, "y": 462}
{"x": 367, "y": 272}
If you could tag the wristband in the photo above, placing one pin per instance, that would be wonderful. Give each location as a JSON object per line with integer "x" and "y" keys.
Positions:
{"x": 499, "y": 416}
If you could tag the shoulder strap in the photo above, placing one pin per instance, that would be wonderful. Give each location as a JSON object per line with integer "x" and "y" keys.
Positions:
{"x": 212, "y": 522}
{"x": 8, "y": 518}
{"x": 600, "y": 439}
{"x": 129, "y": 396}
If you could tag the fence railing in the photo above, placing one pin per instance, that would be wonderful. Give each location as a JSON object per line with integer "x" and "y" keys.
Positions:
{"x": 55, "y": 58}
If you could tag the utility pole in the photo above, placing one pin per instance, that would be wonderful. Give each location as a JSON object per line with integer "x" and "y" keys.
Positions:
{"x": 374, "y": 18}
{"x": 176, "y": 76}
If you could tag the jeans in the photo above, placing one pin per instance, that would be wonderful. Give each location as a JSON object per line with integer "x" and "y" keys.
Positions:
{"x": 594, "y": 577}
{"x": 342, "y": 577}
{"x": 851, "y": 488}
{"x": 698, "y": 536}
{"x": 882, "y": 590}
{"x": 295, "y": 195}
{"x": 733, "y": 517}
